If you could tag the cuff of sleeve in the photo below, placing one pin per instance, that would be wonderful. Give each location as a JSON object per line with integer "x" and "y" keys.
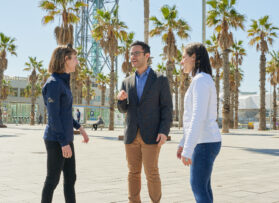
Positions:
{"x": 63, "y": 143}
{"x": 121, "y": 102}
{"x": 164, "y": 133}
{"x": 187, "y": 153}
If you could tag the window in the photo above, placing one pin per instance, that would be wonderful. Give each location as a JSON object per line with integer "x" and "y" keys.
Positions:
{"x": 21, "y": 92}
{"x": 14, "y": 92}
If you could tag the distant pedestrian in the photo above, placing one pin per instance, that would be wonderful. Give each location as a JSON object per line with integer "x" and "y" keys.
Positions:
{"x": 40, "y": 119}
{"x": 201, "y": 140}
{"x": 59, "y": 130}
{"x": 78, "y": 116}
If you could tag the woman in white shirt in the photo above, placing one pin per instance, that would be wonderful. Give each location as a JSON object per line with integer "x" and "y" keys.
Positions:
{"x": 201, "y": 140}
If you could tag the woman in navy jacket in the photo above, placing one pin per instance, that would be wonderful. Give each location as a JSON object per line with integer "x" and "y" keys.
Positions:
{"x": 58, "y": 134}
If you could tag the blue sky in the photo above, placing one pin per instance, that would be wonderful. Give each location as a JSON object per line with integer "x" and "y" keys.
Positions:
{"x": 22, "y": 20}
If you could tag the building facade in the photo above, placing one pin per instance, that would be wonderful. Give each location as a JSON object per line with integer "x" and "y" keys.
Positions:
{"x": 16, "y": 108}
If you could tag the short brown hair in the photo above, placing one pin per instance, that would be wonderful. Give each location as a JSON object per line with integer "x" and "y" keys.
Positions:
{"x": 57, "y": 61}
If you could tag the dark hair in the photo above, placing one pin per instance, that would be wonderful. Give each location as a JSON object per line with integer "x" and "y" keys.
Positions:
{"x": 144, "y": 46}
{"x": 202, "y": 63}
{"x": 57, "y": 61}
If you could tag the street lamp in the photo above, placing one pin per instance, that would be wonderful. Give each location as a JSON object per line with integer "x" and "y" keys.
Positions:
{"x": 203, "y": 20}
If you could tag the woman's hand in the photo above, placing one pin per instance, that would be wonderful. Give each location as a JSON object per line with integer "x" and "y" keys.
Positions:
{"x": 186, "y": 161}
{"x": 179, "y": 151}
{"x": 84, "y": 135}
{"x": 67, "y": 151}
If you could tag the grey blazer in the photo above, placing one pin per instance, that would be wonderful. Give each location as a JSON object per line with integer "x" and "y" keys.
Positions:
{"x": 152, "y": 114}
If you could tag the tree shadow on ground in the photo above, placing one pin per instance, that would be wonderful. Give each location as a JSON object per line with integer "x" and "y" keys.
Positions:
{"x": 2, "y": 136}
{"x": 106, "y": 137}
{"x": 272, "y": 152}
{"x": 250, "y": 134}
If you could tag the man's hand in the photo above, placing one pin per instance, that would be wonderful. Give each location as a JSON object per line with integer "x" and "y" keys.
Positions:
{"x": 179, "y": 151}
{"x": 162, "y": 138}
{"x": 186, "y": 161}
{"x": 84, "y": 135}
{"x": 122, "y": 95}
{"x": 67, "y": 151}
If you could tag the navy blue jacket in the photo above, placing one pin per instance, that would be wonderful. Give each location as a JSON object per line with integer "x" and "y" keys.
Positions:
{"x": 58, "y": 100}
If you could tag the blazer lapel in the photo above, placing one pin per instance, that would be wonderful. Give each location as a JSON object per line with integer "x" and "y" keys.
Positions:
{"x": 133, "y": 90}
{"x": 147, "y": 86}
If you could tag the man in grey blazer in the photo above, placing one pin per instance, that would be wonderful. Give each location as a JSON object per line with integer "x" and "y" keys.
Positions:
{"x": 145, "y": 97}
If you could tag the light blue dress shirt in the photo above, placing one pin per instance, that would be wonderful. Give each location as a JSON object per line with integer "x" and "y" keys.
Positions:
{"x": 140, "y": 82}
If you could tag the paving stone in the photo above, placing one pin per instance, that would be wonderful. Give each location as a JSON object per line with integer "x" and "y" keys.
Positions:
{"x": 246, "y": 170}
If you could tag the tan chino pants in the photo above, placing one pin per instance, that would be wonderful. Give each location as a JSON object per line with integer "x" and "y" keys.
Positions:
{"x": 138, "y": 153}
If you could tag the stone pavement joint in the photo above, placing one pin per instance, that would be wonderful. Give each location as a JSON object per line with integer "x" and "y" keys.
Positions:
{"x": 246, "y": 170}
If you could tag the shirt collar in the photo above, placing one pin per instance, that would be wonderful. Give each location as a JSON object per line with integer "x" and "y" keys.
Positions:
{"x": 145, "y": 73}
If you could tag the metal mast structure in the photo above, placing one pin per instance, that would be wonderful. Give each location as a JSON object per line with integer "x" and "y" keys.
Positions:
{"x": 92, "y": 52}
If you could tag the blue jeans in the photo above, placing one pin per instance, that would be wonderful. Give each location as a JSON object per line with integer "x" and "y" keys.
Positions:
{"x": 201, "y": 169}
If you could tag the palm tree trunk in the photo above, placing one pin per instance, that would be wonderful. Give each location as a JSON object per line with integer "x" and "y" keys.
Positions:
{"x": 88, "y": 95}
{"x": 73, "y": 87}
{"x": 226, "y": 89}
{"x": 217, "y": 84}
{"x": 262, "y": 125}
{"x": 231, "y": 109}
{"x": 170, "y": 67}
{"x": 103, "y": 96}
{"x": 1, "y": 81}
{"x": 274, "y": 107}
{"x": 111, "y": 95}
{"x": 176, "y": 99}
{"x": 33, "y": 100}
{"x": 236, "y": 102}
{"x": 146, "y": 21}
{"x": 183, "y": 89}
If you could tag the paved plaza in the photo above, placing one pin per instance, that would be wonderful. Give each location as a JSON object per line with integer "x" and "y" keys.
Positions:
{"x": 246, "y": 170}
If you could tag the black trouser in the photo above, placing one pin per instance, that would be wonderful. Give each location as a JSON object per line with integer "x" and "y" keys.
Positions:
{"x": 95, "y": 126}
{"x": 55, "y": 164}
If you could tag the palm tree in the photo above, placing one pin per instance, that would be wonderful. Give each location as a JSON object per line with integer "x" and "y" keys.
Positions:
{"x": 125, "y": 50}
{"x": 76, "y": 81}
{"x": 33, "y": 65}
{"x": 107, "y": 31}
{"x": 262, "y": 33}
{"x": 232, "y": 94}
{"x": 35, "y": 91}
{"x": 222, "y": 16}
{"x": 185, "y": 81}
{"x": 102, "y": 80}
{"x": 167, "y": 28}
{"x": 6, "y": 89}
{"x": 67, "y": 9}
{"x": 88, "y": 92}
{"x": 161, "y": 68}
{"x": 237, "y": 57}
{"x": 42, "y": 77}
{"x": 176, "y": 86}
{"x": 146, "y": 20}
{"x": 216, "y": 62}
{"x": 273, "y": 69}
{"x": 6, "y": 45}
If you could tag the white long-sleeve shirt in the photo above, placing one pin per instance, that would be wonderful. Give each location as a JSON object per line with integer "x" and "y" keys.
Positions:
{"x": 200, "y": 114}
